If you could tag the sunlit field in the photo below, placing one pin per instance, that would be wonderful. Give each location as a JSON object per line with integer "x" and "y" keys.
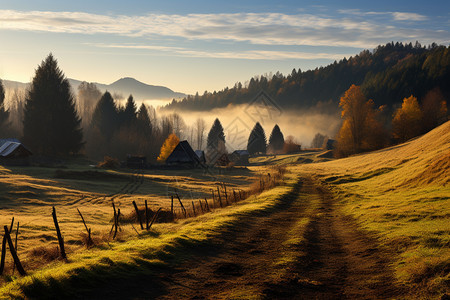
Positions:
{"x": 402, "y": 194}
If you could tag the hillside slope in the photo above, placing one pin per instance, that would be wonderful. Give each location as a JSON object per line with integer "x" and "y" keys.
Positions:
{"x": 402, "y": 195}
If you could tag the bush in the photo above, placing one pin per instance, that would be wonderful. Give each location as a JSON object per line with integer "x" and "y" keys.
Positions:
{"x": 109, "y": 163}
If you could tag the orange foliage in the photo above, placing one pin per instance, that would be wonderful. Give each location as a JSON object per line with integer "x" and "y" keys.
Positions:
{"x": 407, "y": 122}
{"x": 291, "y": 146}
{"x": 169, "y": 144}
{"x": 361, "y": 129}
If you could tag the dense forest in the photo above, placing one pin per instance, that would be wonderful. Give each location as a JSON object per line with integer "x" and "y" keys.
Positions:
{"x": 387, "y": 75}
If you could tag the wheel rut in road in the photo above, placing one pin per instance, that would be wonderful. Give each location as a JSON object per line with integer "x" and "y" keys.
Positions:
{"x": 303, "y": 249}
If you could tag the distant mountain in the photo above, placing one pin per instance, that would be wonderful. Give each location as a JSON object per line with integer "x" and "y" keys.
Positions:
{"x": 124, "y": 87}
{"x": 139, "y": 90}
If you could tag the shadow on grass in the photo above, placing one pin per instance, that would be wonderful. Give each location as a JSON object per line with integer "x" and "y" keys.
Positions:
{"x": 143, "y": 278}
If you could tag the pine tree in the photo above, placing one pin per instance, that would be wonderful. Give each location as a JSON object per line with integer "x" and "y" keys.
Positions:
{"x": 276, "y": 140}
{"x": 4, "y": 114}
{"x": 51, "y": 123}
{"x": 215, "y": 143}
{"x": 144, "y": 123}
{"x": 130, "y": 112}
{"x": 257, "y": 141}
{"x": 105, "y": 116}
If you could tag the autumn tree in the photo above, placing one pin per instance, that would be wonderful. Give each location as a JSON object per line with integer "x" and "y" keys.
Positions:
{"x": 361, "y": 130}
{"x": 51, "y": 124}
{"x": 318, "y": 140}
{"x": 276, "y": 140}
{"x": 200, "y": 127}
{"x": 291, "y": 145}
{"x": 257, "y": 142}
{"x": 407, "y": 122}
{"x": 4, "y": 114}
{"x": 169, "y": 145}
{"x": 434, "y": 108}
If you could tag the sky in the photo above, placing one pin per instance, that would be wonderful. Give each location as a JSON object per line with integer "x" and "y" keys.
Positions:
{"x": 193, "y": 46}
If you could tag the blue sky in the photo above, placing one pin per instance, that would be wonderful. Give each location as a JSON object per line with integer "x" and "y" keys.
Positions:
{"x": 192, "y": 46}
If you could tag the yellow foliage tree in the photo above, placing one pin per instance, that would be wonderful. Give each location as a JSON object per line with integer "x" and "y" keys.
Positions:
{"x": 361, "y": 130}
{"x": 169, "y": 144}
{"x": 407, "y": 122}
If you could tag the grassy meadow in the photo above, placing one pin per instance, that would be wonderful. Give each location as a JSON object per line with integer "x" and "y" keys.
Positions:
{"x": 399, "y": 194}
{"x": 402, "y": 194}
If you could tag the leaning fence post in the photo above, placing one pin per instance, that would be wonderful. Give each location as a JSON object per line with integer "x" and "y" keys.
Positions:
{"x": 154, "y": 217}
{"x": 193, "y": 208}
{"x": 58, "y": 233}
{"x": 87, "y": 229}
{"x": 182, "y": 206}
{"x": 13, "y": 252}
{"x": 137, "y": 214}
{"x": 146, "y": 215}
{"x": 207, "y": 205}
{"x": 220, "y": 198}
{"x": 15, "y": 244}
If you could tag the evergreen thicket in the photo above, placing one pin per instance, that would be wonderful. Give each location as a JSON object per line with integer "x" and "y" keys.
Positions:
{"x": 386, "y": 75}
{"x": 51, "y": 125}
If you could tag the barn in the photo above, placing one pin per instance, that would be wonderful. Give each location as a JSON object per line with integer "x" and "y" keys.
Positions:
{"x": 13, "y": 153}
{"x": 240, "y": 157}
{"x": 183, "y": 155}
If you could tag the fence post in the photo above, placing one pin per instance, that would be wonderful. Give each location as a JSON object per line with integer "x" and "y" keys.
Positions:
{"x": 87, "y": 229}
{"x": 182, "y": 206}
{"x": 138, "y": 214}
{"x": 220, "y": 198}
{"x": 13, "y": 252}
{"x": 193, "y": 208}
{"x": 146, "y": 215}
{"x": 58, "y": 233}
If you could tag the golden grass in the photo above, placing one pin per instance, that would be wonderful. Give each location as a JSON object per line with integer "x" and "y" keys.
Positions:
{"x": 401, "y": 193}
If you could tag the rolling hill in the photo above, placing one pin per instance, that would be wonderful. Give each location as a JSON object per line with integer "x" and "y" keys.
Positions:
{"x": 124, "y": 86}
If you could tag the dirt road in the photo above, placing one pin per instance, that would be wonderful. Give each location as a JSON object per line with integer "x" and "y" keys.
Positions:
{"x": 303, "y": 249}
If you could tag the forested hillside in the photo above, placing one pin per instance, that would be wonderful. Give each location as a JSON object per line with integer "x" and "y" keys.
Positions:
{"x": 387, "y": 74}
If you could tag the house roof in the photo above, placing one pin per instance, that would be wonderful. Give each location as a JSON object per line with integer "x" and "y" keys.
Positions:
{"x": 8, "y": 148}
{"x": 241, "y": 152}
{"x": 2, "y": 141}
{"x": 183, "y": 153}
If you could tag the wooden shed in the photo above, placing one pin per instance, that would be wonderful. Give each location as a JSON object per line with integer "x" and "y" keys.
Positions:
{"x": 183, "y": 155}
{"x": 13, "y": 153}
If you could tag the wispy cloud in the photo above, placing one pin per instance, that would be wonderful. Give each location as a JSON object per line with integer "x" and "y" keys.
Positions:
{"x": 396, "y": 16}
{"x": 404, "y": 16}
{"x": 255, "y": 28}
{"x": 251, "y": 54}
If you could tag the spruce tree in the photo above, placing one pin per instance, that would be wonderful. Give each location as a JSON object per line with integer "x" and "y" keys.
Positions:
{"x": 257, "y": 140}
{"x": 144, "y": 123}
{"x": 215, "y": 135}
{"x": 4, "y": 114}
{"x": 276, "y": 140}
{"x": 51, "y": 124}
{"x": 215, "y": 143}
{"x": 129, "y": 114}
{"x": 105, "y": 116}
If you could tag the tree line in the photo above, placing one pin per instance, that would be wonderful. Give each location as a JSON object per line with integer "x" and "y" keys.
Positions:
{"x": 389, "y": 73}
